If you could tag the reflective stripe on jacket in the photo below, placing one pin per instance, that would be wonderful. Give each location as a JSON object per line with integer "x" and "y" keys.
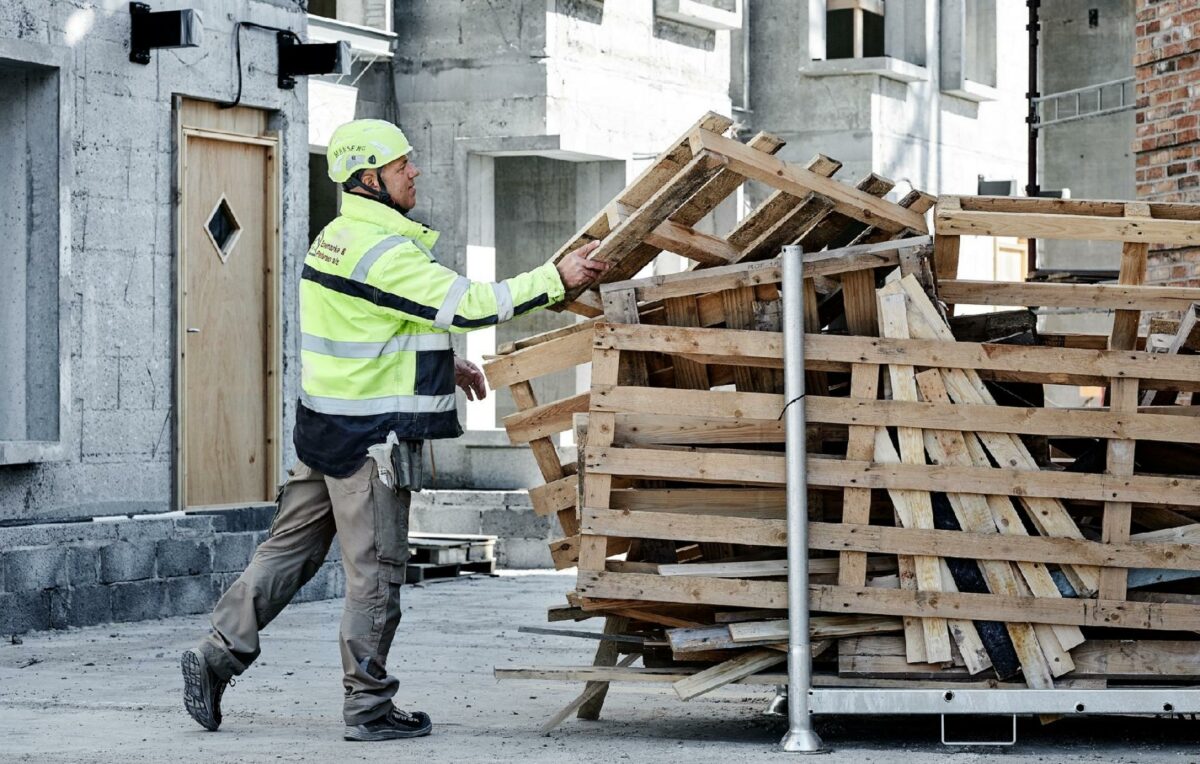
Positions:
{"x": 376, "y": 313}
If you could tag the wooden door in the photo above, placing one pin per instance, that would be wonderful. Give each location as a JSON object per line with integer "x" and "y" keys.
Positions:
{"x": 228, "y": 360}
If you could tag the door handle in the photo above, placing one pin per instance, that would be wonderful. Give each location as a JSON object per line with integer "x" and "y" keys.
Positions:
{"x": 193, "y": 330}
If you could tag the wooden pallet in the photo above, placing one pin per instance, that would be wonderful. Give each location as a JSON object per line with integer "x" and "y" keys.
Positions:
{"x": 657, "y": 212}
{"x": 436, "y": 556}
{"x": 920, "y": 444}
{"x": 422, "y": 572}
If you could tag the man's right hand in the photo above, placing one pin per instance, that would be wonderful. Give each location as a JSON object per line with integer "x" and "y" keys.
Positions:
{"x": 576, "y": 270}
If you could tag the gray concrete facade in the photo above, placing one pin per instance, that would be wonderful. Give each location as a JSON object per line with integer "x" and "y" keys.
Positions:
{"x": 1084, "y": 43}
{"x": 110, "y": 334}
{"x": 526, "y": 118}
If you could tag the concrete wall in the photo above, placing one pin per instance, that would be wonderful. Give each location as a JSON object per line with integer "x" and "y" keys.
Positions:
{"x": 118, "y": 309}
{"x": 508, "y": 97}
{"x": 1093, "y": 157}
{"x": 911, "y": 132}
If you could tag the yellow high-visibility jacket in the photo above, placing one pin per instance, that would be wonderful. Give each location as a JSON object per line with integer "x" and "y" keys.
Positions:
{"x": 376, "y": 313}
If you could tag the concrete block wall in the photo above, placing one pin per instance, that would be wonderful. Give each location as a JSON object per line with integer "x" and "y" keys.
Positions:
{"x": 523, "y": 537}
{"x": 1167, "y": 64}
{"x": 117, "y": 314}
{"x": 58, "y": 575}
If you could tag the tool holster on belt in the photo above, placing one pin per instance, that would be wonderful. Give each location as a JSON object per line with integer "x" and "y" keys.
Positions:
{"x": 398, "y": 462}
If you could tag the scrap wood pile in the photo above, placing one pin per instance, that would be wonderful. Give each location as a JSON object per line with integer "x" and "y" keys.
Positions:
{"x": 961, "y": 532}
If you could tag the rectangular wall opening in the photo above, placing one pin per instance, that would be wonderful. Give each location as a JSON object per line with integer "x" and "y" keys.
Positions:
{"x": 29, "y": 260}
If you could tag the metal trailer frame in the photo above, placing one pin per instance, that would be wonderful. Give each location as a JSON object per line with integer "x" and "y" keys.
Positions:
{"x": 804, "y": 700}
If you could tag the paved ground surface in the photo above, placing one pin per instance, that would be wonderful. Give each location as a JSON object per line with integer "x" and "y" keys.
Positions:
{"x": 112, "y": 693}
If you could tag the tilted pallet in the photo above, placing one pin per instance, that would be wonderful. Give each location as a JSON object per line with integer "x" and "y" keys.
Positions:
{"x": 657, "y": 212}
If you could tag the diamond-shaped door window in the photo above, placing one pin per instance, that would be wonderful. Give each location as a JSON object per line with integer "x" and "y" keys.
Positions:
{"x": 223, "y": 228}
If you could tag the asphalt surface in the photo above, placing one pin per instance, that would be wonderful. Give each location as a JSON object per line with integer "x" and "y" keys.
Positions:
{"x": 113, "y": 693}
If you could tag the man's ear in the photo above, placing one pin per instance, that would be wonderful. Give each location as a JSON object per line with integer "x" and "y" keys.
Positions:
{"x": 370, "y": 178}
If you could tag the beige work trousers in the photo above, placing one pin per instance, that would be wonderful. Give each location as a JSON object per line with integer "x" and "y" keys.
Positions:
{"x": 371, "y": 524}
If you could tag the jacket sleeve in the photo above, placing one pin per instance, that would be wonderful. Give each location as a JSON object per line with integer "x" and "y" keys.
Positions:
{"x": 429, "y": 293}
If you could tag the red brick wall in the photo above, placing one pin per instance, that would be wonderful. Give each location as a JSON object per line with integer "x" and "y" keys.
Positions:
{"x": 1167, "y": 146}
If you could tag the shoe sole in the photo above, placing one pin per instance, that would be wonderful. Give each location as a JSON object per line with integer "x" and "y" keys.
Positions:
{"x": 196, "y": 690}
{"x": 358, "y": 736}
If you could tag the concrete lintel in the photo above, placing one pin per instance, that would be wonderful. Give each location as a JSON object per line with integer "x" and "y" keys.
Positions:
{"x": 883, "y": 66}
{"x": 974, "y": 91}
{"x": 363, "y": 39}
{"x": 548, "y": 146}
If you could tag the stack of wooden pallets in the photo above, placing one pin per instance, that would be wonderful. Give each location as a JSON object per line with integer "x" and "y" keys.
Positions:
{"x": 438, "y": 556}
{"x": 961, "y": 533}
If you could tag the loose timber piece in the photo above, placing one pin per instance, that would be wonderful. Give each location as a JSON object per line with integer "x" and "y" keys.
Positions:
{"x": 995, "y": 512}
{"x": 767, "y": 470}
{"x": 880, "y": 601}
{"x": 545, "y": 420}
{"x": 987, "y": 546}
{"x": 1101, "y": 296}
{"x": 539, "y": 360}
{"x": 1185, "y": 338}
{"x": 856, "y": 502}
{"x": 589, "y": 692}
{"x": 1043, "y": 225}
{"x": 606, "y": 655}
{"x": 731, "y": 670}
{"x": 681, "y": 409}
{"x": 1123, "y": 399}
{"x": 830, "y": 353}
{"x": 999, "y": 580}
{"x": 971, "y": 647}
{"x": 916, "y": 511}
{"x": 822, "y": 627}
{"x": 964, "y": 386}
{"x": 829, "y": 262}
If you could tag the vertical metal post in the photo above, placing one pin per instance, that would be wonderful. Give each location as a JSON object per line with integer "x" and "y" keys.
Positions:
{"x": 800, "y": 736}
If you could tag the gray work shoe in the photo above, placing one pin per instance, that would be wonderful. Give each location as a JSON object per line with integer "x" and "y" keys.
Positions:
{"x": 202, "y": 689}
{"x": 396, "y": 725}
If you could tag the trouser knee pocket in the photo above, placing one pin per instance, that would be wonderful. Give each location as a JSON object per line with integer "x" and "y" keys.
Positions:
{"x": 390, "y": 510}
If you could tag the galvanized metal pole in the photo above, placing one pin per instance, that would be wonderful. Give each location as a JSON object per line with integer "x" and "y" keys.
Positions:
{"x": 800, "y": 737}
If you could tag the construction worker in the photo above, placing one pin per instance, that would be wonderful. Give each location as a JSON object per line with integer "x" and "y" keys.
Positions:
{"x": 378, "y": 377}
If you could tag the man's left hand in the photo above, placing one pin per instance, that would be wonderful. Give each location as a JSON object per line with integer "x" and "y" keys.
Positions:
{"x": 468, "y": 376}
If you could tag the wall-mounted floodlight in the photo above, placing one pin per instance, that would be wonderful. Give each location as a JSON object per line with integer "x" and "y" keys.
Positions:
{"x": 297, "y": 58}
{"x": 161, "y": 29}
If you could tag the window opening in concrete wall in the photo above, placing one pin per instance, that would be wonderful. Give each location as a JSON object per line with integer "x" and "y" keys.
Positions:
{"x": 591, "y": 11}
{"x": 223, "y": 228}
{"x": 854, "y": 28}
{"x": 980, "y": 42}
{"x": 29, "y": 260}
{"x": 376, "y": 14}
{"x": 968, "y": 47}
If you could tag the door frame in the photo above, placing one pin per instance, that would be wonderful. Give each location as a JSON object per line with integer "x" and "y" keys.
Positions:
{"x": 273, "y": 282}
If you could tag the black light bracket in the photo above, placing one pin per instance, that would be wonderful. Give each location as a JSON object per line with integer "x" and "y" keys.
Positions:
{"x": 161, "y": 29}
{"x": 299, "y": 59}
